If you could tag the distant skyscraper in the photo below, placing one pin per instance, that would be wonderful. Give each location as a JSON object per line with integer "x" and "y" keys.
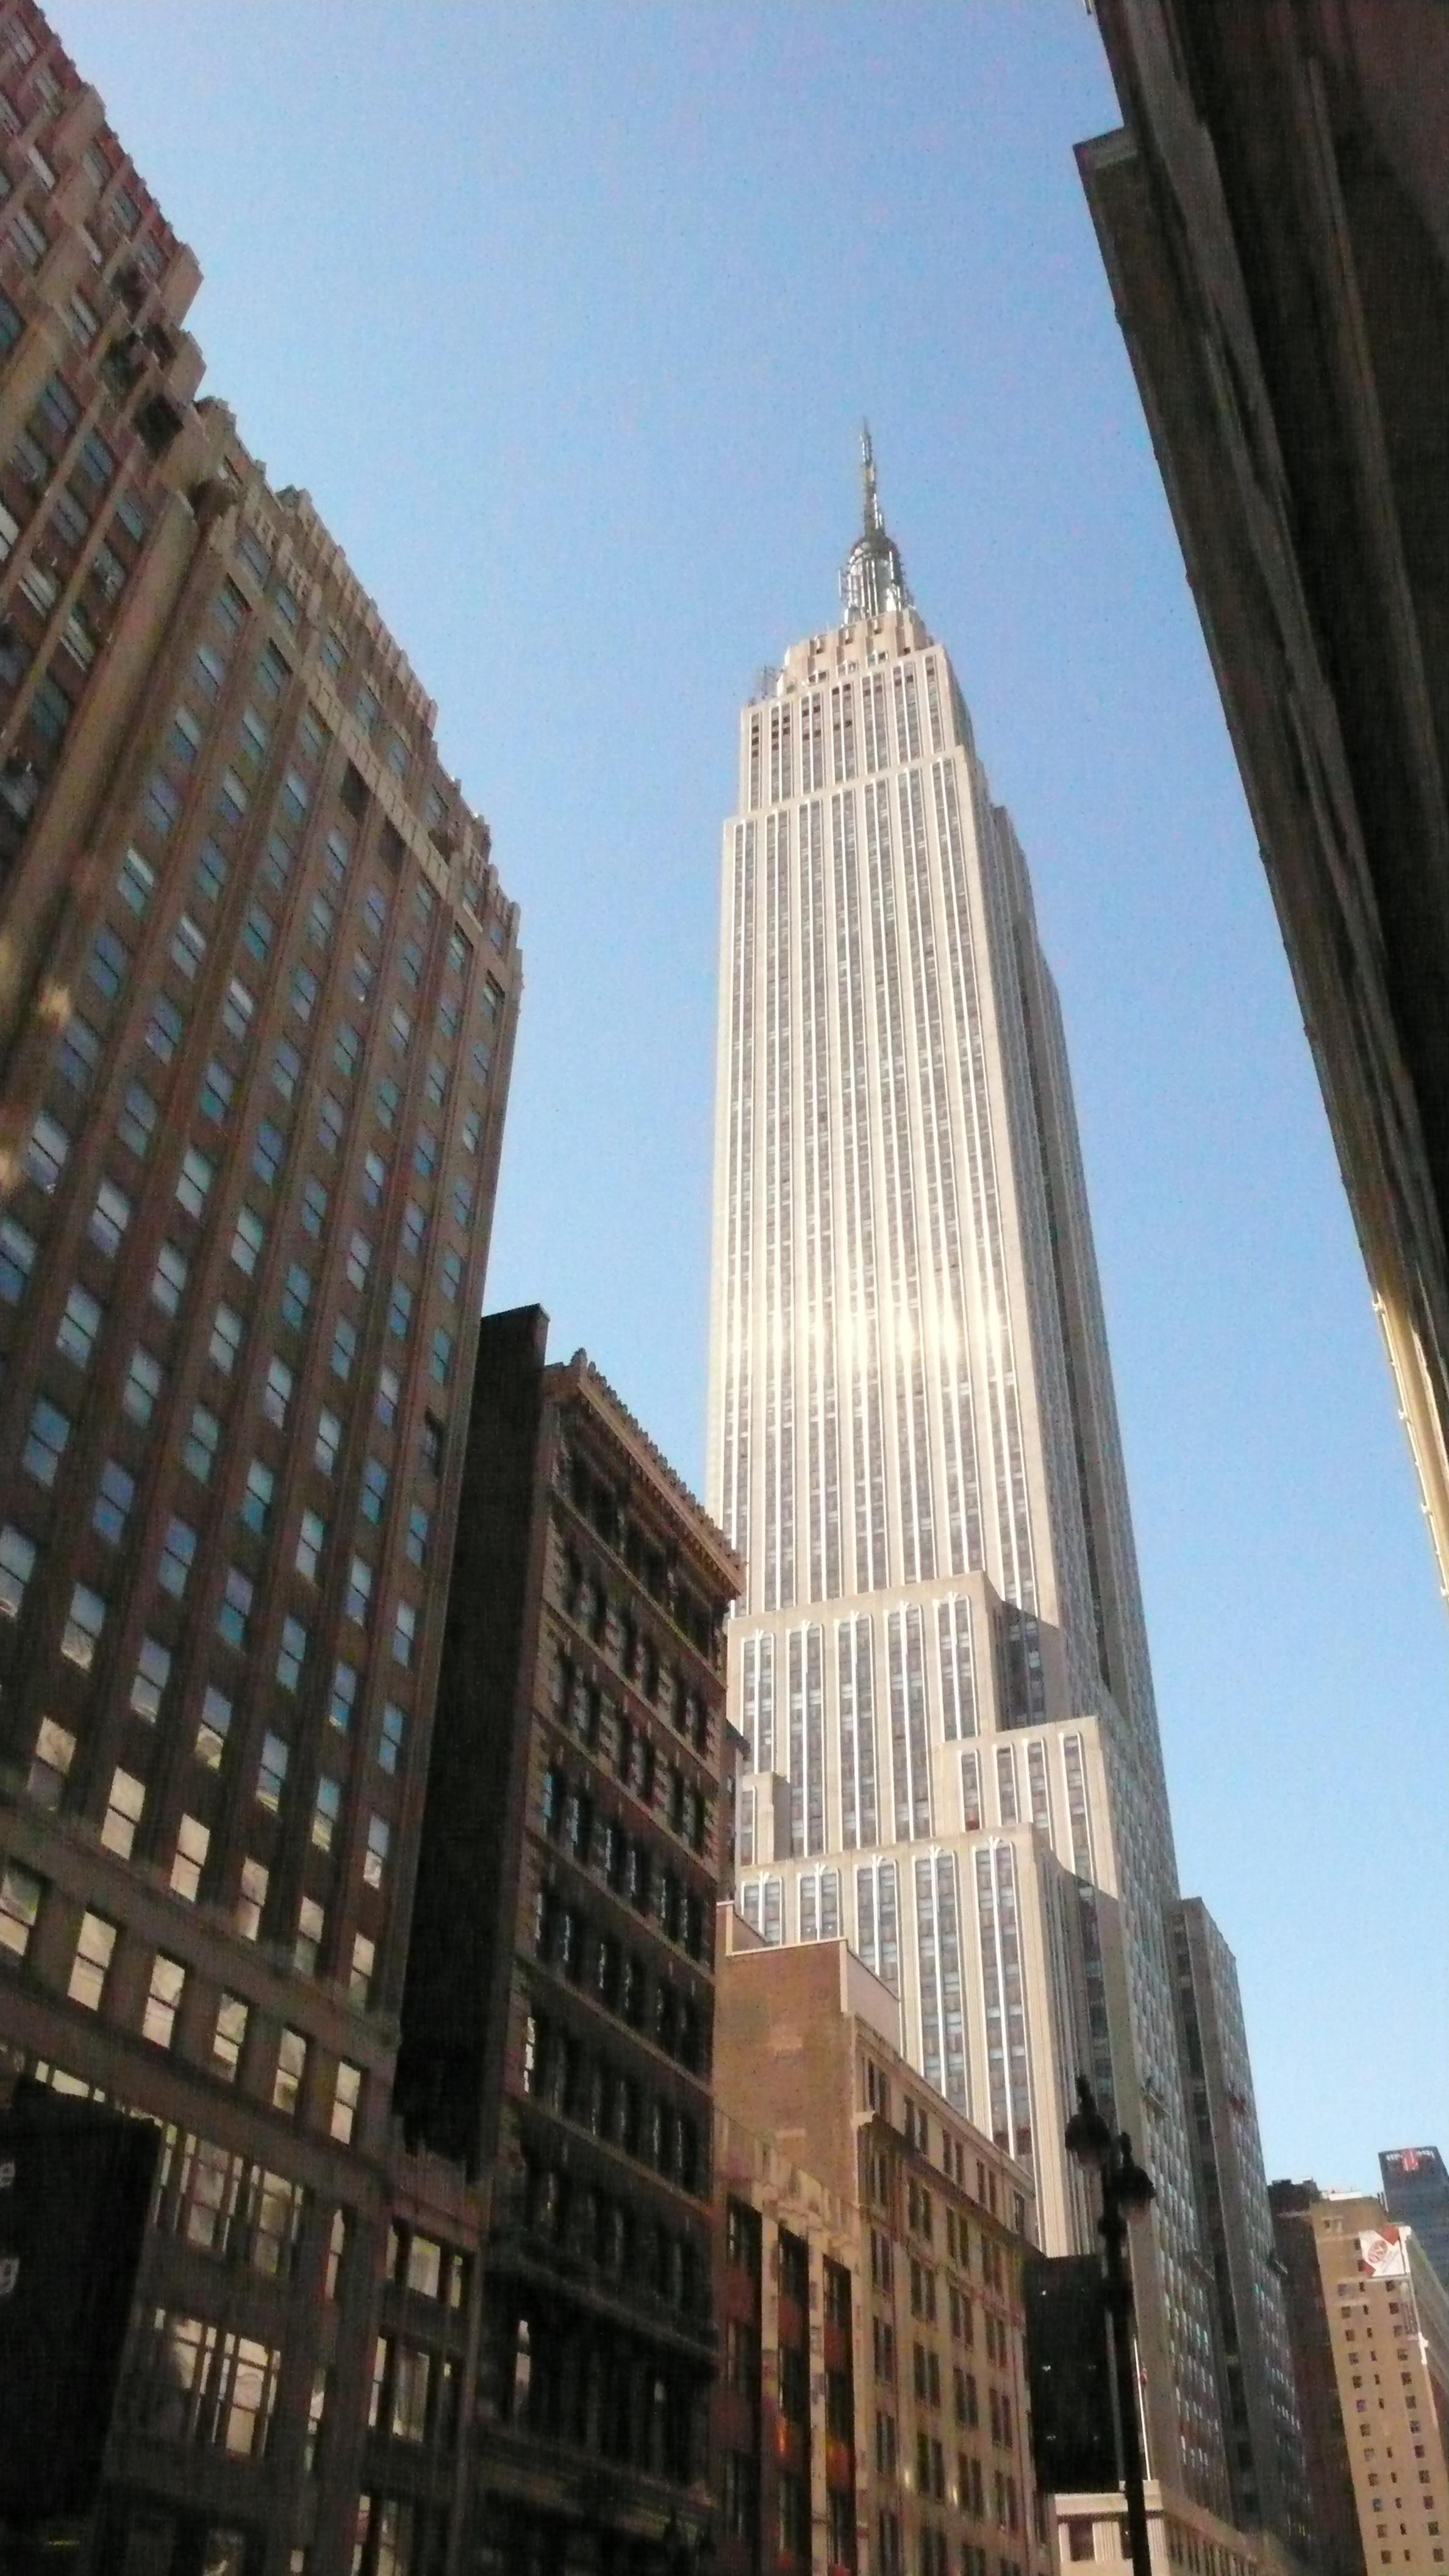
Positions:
{"x": 1416, "y": 2192}
{"x": 1260, "y": 2409}
{"x": 940, "y": 1665}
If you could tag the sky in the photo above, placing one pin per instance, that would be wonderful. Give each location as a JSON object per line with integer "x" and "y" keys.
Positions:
{"x": 566, "y": 317}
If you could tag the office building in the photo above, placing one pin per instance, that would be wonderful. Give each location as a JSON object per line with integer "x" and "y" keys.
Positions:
{"x": 1274, "y": 217}
{"x": 940, "y": 1663}
{"x": 558, "y": 2018}
{"x": 871, "y": 2414}
{"x": 258, "y": 985}
{"x": 1369, "y": 2327}
{"x": 1416, "y": 2193}
{"x": 1260, "y": 2408}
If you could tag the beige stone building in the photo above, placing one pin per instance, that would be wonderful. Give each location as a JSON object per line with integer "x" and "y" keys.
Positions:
{"x": 899, "y": 2444}
{"x": 1369, "y": 2323}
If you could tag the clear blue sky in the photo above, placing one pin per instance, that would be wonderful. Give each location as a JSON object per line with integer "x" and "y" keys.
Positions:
{"x": 566, "y": 316}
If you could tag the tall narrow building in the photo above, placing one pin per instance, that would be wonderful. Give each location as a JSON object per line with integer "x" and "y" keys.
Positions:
{"x": 940, "y": 1663}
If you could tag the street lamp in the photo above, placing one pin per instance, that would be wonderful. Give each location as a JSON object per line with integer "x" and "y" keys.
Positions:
{"x": 1126, "y": 2189}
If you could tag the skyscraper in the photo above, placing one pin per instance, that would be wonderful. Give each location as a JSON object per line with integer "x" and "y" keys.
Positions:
{"x": 1416, "y": 2192}
{"x": 258, "y": 984}
{"x": 940, "y": 1664}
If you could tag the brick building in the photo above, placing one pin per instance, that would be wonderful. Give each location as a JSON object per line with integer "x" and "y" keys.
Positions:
{"x": 558, "y": 2020}
{"x": 258, "y": 986}
{"x": 871, "y": 2413}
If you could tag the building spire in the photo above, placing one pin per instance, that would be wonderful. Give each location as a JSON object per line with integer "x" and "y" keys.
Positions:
{"x": 874, "y": 523}
{"x": 872, "y": 580}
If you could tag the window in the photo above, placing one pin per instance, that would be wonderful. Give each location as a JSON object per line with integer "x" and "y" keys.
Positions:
{"x": 414, "y": 1227}
{"x": 272, "y": 1772}
{"x": 331, "y": 1123}
{"x": 402, "y": 1028}
{"x": 45, "y": 1441}
{"x": 359, "y": 1256}
{"x": 344, "y": 1696}
{"x": 291, "y": 1653}
{"x": 153, "y": 1671}
{"x": 268, "y": 1152}
{"x": 79, "y": 1326}
{"x": 291, "y": 2070}
{"x": 17, "y": 1260}
{"x": 372, "y": 1494}
{"x": 144, "y": 1380}
{"x": 20, "y": 1895}
{"x": 193, "y": 1842}
{"x": 310, "y": 1538}
{"x": 286, "y": 1069}
{"x": 217, "y": 1087}
{"x": 45, "y": 1152}
{"x": 304, "y": 992}
{"x": 247, "y": 1240}
{"x": 163, "y": 1029}
{"x": 462, "y": 1201}
{"x": 425, "y": 1153}
{"x": 84, "y": 1621}
{"x": 231, "y": 798}
{"x": 229, "y": 2038}
{"x": 314, "y": 1206}
{"x": 440, "y": 1365}
{"x": 256, "y": 1504}
{"x": 390, "y": 1737}
{"x": 178, "y": 1550}
{"x": 374, "y": 1176}
{"x": 234, "y": 1609}
{"x": 311, "y": 1926}
{"x": 389, "y": 1388}
{"x": 226, "y": 1338}
{"x": 110, "y": 959}
{"x": 50, "y": 1763}
{"x": 328, "y": 1441}
{"x": 160, "y": 805}
{"x": 321, "y": 921}
{"x": 237, "y": 1009}
{"x": 296, "y": 1297}
{"x": 123, "y": 1812}
{"x": 168, "y": 1280}
{"x": 114, "y": 1497}
{"x": 277, "y": 1393}
{"x": 415, "y": 1546}
{"x": 399, "y": 1310}
{"x": 452, "y": 1276}
{"x": 254, "y": 737}
{"x": 375, "y": 1858}
{"x": 188, "y": 946}
{"x": 389, "y": 1101}
{"x": 404, "y": 1634}
{"x": 359, "y": 1591}
{"x": 214, "y": 1727}
{"x": 436, "y": 1086}
{"x": 364, "y": 1962}
{"x": 194, "y": 1180}
{"x": 96, "y": 1941}
{"x": 80, "y": 1052}
{"x": 326, "y": 1809}
{"x": 251, "y": 1900}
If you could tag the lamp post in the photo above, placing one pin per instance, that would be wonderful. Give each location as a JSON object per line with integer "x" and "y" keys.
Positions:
{"x": 1126, "y": 2189}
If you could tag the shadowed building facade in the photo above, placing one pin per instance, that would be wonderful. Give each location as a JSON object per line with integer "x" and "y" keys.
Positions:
{"x": 258, "y": 985}
{"x": 558, "y": 2021}
{"x": 1274, "y": 218}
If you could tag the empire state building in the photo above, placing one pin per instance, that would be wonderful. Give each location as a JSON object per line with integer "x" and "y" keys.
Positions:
{"x": 940, "y": 1664}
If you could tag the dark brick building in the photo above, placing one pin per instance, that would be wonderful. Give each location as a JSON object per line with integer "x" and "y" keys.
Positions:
{"x": 258, "y": 986}
{"x": 558, "y": 2017}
